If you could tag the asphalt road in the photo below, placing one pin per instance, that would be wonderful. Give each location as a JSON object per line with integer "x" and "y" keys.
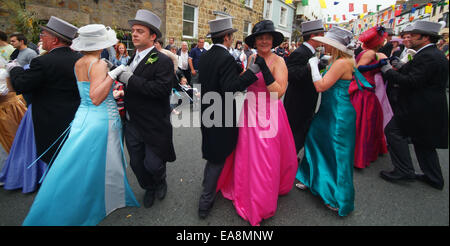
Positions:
{"x": 377, "y": 202}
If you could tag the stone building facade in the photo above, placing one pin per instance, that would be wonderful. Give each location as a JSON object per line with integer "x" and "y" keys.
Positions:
{"x": 116, "y": 13}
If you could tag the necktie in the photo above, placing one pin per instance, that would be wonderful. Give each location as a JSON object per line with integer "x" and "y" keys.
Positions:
{"x": 135, "y": 62}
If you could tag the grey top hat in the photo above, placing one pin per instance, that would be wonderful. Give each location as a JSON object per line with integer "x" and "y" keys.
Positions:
{"x": 425, "y": 27}
{"x": 220, "y": 27}
{"x": 340, "y": 39}
{"x": 147, "y": 18}
{"x": 311, "y": 27}
{"x": 61, "y": 28}
{"x": 390, "y": 31}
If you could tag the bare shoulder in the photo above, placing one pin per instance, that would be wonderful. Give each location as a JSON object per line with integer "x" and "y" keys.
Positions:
{"x": 381, "y": 56}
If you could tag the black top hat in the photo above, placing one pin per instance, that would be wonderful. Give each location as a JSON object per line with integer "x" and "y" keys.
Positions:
{"x": 265, "y": 26}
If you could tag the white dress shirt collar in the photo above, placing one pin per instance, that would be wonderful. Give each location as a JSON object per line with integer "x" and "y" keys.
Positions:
{"x": 310, "y": 47}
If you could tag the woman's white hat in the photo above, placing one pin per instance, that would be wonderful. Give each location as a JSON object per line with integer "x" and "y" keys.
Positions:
{"x": 94, "y": 37}
{"x": 340, "y": 39}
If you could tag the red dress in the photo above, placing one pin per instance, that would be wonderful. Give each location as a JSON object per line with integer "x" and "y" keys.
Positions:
{"x": 370, "y": 141}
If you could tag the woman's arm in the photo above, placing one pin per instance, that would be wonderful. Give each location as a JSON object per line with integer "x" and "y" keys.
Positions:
{"x": 280, "y": 73}
{"x": 366, "y": 58}
{"x": 100, "y": 82}
{"x": 336, "y": 71}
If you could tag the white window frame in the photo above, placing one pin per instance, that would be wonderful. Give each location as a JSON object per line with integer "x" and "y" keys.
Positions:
{"x": 269, "y": 10}
{"x": 285, "y": 16}
{"x": 249, "y": 29}
{"x": 195, "y": 31}
{"x": 249, "y": 3}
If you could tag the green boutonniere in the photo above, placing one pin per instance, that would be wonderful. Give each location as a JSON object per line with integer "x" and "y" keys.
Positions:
{"x": 152, "y": 58}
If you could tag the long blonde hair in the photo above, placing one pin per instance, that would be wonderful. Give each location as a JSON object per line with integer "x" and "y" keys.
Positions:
{"x": 337, "y": 54}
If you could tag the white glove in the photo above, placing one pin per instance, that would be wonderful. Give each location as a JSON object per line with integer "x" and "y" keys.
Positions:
{"x": 315, "y": 73}
{"x": 409, "y": 55}
{"x": 12, "y": 64}
{"x": 3, "y": 86}
{"x": 116, "y": 72}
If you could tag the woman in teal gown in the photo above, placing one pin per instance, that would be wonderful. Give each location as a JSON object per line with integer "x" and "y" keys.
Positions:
{"x": 87, "y": 180}
{"x": 327, "y": 166}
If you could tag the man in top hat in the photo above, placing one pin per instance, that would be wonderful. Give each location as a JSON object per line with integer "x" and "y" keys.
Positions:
{"x": 219, "y": 73}
{"x": 420, "y": 108}
{"x": 52, "y": 84}
{"x": 148, "y": 130}
{"x": 301, "y": 97}
{"x": 387, "y": 48}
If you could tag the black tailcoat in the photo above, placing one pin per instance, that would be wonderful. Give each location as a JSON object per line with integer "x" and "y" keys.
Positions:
{"x": 148, "y": 105}
{"x": 52, "y": 83}
{"x": 301, "y": 95}
{"x": 418, "y": 98}
{"x": 218, "y": 73}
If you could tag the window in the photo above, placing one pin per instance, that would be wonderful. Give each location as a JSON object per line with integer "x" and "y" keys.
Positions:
{"x": 249, "y": 3}
{"x": 283, "y": 17}
{"x": 268, "y": 14}
{"x": 190, "y": 21}
{"x": 247, "y": 28}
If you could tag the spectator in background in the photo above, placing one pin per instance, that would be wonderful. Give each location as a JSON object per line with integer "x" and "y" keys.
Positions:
{"x": 387, "y": 48}
{"x": 183, "y": 62}
{"x": 171, "y": 42}
{"x": 158, "y": 45}
{"x": 121, "y": 57}
{"x": 5, "y": 49}
{"x": 194, "y": 58}
{"x": 19, "y": 42}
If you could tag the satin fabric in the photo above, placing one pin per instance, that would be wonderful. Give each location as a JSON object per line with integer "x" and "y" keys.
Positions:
{"x": 370, "y": 139}
{"x": 15, "y": 173}
{"x": 12, "y": 110}
{"x": 87, "y": 180}
{"x": 264, "y": 162}
{"x": 327, "y": 167}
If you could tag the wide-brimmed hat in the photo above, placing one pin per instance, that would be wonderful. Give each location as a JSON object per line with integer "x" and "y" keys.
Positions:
{"x": 340, "y": 39}
{"x": 426, "y": 28}
{"x": 373, "y": 37}
{"x": 265, "y": 26}
{"x": 60, "y": 28}
{"x": 147, "y": 18}
{"x": 397, "y": 39}
{"x": 94, "y": 37}
{"x": 220, "y": 27}
{"x": 311, "y": 27}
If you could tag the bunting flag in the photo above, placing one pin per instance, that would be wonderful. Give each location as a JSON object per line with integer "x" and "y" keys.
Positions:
{"x": 411, "y": 18}
{"x": 393, "y": 7}
{"x": 351, "y": 7}
{"x": 336, "y": 3}
{"x": 428, "y": 9}
{"x": 415, "y": 5}
{"x": 405, "y": 6}
{"x": 323, "y": 4}
{"x": 413, "y": 10}
{"x": 334, "y": 17}
{"x": 378, "y": 7}
{"x": 288, "y": 1}
{"x": 329, "y": 18}
{"x": 343, "y": 17}
{"x": 305, "y": 2}
{"x": 364, "y": 8}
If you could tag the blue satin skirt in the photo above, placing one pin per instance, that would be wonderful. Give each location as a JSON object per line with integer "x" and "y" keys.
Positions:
{"x": 327, "y": 168}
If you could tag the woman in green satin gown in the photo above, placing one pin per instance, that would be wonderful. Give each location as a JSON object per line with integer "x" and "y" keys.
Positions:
{"x": 327, "y": 166}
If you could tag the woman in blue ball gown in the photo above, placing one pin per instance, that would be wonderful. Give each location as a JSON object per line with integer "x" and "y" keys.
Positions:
{"x": 87, "y": 180}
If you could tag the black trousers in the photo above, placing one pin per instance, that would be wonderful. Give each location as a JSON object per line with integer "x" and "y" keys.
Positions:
{"x": 398, "y": 148}
{"x": 149, "y": 169}
{"x": 210, "y": 177}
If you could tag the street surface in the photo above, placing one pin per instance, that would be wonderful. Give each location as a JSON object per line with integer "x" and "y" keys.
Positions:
{"x": 377, "y": 202}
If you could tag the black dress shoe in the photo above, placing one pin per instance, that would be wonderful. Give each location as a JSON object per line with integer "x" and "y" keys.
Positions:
{"x": 427, "y": 180}
{"x": 203, "y": 214}
{"x": 395, "y": 175}
{"x": 161, "y": 191}
{"x": 149, "y": 198}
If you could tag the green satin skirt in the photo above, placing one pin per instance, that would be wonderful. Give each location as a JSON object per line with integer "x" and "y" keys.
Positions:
{"x": 327, "y": 168}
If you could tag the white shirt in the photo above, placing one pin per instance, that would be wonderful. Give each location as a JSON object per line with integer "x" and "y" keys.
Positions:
{"x": 139, "y": 56}
{"x": 310, "y": 47}
{"x": 424, "y": 47}
{"x": 183, "y": 60}
{"x": 223, "y": 46}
